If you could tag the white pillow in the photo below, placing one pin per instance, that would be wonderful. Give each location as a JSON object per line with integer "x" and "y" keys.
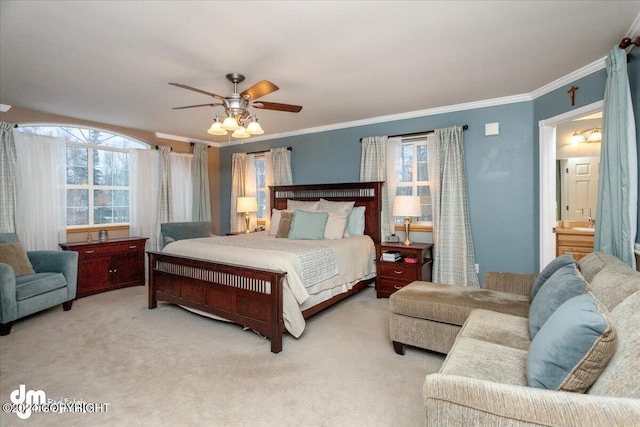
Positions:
{"x": 292, "y": 205}
{"x": 336, "y": 225}
{"x": 356, "y": 222}
{"x": 337, "y": 207}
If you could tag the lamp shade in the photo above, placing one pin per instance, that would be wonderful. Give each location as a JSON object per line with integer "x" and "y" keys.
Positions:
{"x": 230, "y": 123}
{"x": 216, "y": 129}
{"x": 407, "y": 206}
{"x": 240, "y": 133}
{"x": 254, "y": 128}
{"x": 247, "y": 204}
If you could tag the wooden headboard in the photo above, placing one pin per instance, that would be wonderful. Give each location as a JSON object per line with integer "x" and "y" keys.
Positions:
{"x": 368, "y": 194}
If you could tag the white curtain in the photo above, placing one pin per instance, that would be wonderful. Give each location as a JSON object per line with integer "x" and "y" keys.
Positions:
{"x": 41, "y": 220}
{"x": 237, "y": 190}
{"x": 249, "y": 188}
{"x": 454, "y": 257}
{"x": 181, "y": 186}
{"x": 143, "y": 198}
{"x": 277, "y": 170}
{"x": 616, "y": 217}
{"x": 373, "y": 167}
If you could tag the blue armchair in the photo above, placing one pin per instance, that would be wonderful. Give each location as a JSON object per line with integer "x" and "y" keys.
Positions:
{"x": 54, "y": 282}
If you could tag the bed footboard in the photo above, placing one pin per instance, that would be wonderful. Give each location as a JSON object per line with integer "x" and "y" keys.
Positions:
{"x": 251, "y": 297}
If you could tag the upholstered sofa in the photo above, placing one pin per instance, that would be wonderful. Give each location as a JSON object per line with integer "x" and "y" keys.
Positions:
{"x": 32, "y": 281}
{"x": 582, "y": 366}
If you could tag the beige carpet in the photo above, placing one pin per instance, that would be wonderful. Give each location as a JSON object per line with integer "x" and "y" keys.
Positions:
{"x": 171, "y": 367}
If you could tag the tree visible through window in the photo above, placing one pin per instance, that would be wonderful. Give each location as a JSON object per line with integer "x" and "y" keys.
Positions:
{"x": 97, "y": 174}
{"x": 412, "y": 168}
{"x": 261, "y": 187}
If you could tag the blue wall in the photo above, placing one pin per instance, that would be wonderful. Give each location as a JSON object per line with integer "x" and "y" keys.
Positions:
{"x": 502, "y": 170}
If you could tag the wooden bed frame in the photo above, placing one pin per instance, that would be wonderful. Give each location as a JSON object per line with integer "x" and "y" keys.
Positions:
{"x": 252, "y": 297}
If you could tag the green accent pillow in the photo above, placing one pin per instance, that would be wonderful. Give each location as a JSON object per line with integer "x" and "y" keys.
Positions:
{"x": 548, "y": 271}
{"x": 573, "y": 347}
{"x": 565, "y": 283}
{"x": 308, "y": 225}
{"x": 14, "y": 255}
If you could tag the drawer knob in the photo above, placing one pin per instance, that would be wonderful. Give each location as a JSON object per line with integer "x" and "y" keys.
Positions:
{"x": 132, "y": 246}
{"x": 397, "y": 272}
{"x": 89, "y": 252}
{"x": 398, "y": 288}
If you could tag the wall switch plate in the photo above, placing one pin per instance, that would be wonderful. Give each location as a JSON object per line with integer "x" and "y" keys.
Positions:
{"x": 491, "y": 129}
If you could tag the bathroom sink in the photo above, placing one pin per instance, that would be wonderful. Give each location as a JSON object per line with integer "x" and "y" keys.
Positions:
{"x": 592, "y": 230}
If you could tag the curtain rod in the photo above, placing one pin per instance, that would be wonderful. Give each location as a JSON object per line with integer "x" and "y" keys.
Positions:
{"x": 464, "y": 127}
{"x": 266, "y": 151}
{"x": 626, "y": 42}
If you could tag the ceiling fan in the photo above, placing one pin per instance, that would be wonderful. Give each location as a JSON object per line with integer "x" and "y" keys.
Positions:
{"x": 236, "y": 107}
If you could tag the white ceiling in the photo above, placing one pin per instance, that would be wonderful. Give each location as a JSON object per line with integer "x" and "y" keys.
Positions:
{"x": 111, "y": 61}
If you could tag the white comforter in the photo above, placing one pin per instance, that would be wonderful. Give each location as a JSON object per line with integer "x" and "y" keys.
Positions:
{"x": 356, "y": 260}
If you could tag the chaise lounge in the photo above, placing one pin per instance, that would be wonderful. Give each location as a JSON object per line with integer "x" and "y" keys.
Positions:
{"x": 559, "y": 348}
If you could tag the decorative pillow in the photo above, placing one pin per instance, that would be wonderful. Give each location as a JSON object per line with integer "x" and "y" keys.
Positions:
{"x": 548, "y": 271}
{"x": 336, "y": 225}
{"x": 573, "y": 347}
{"x": 302, "y": 205}
{"x": 356, "y": 222}
{"x": 308, "y": 225}
{"x": 564, "y": 284}
{"x": 285, "y": 225}
{"x": 15, "y": 255}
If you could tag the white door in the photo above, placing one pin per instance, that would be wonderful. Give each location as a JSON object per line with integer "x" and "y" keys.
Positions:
{"x": 582, "y": 187}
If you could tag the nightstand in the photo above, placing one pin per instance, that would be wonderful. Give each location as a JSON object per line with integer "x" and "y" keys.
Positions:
{"x": 392, "y": 276}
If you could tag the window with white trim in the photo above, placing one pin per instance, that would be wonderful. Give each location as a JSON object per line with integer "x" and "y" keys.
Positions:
{"x": 97, "y": 174}
{"x": 412, "y": 167}
{"x": 261, "y": 187}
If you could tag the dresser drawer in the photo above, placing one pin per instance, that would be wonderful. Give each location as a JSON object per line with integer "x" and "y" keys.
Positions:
{"x": 399, "y": 271}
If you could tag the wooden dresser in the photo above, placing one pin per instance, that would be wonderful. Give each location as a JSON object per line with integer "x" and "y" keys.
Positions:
{"x": 112, "y": 264}
{"x": 392, "y": 276}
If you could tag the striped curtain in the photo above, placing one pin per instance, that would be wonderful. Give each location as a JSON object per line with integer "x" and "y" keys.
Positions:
{"x": 7, "y": 178}
{"x": 373, "y": 167}
{"x": 201, "y": 197}
{"x": 453, "y": 261}
{"x": 164, "y": 192}
{"x": 616, "y": 217}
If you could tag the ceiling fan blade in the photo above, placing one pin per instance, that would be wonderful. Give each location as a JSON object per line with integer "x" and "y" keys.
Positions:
{"x": 277, "y": 106}
{"x": 199, "y": 105}
{"x": 259, "y": 90}
{"x": 197, "y": 90}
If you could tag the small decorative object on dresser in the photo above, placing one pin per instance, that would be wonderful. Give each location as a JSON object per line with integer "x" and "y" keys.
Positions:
{"x": 113, "y": 264}
{"x": 413, "y": 263}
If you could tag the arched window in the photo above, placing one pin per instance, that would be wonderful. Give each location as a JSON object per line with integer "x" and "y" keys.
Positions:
{"x": 97, "y": 164}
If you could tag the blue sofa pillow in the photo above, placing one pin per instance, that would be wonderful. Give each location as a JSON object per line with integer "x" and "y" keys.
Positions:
{"x": 548, "y": 271}
{"x": 573, "y": 347}
{"x": 565, "y": 283}
{"x": 308, "y": 225}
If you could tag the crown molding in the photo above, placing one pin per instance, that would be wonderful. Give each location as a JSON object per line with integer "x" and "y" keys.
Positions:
{"x": 569, "y": 78}
{"x": 180, "y": 138}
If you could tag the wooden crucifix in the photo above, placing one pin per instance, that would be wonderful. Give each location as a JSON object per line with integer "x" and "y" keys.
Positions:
{"x": 572, "y": 91}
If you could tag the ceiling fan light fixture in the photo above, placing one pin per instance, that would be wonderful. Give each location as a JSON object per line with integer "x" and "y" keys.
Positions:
{"x": 230, "y": 123}
{"x": 254, "y": 128}
{"x": 241, "y": 133}
{"x": 216, "y": 128}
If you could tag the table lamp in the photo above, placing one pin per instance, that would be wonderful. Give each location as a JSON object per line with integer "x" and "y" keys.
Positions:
{"x": 407, "y": 207}
{"x": 247, "y": 205}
